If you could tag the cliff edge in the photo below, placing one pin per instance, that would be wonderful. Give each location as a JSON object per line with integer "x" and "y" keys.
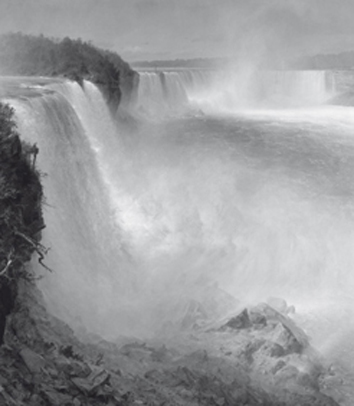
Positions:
{"x": 28, "y": 55}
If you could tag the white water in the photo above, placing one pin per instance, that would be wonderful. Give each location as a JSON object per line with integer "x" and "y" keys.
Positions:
{"x": 90, "y": 271}
{"x": 255, "y": 199}
{"x": 163, "y": 93}
{"x": 168, "y": 92}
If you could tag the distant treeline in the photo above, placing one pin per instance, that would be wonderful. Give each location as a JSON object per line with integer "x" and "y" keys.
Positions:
{"x": 29, "y": 55}
{"x": 201, "y": 63}
{"x": 341, "y": 61}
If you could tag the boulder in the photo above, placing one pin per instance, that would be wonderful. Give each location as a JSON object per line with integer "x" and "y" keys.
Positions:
{"x": 283, "y": 336}
{"x": 257, "y": 319}
{"x": 241, "y": 321}
{"x": 55, "y": 398}
{"x": 274, "y": 317}
{"x": 33, "y": 361}
{"x": 278, "y": 366}
{"x": 73, "y": 368}
{"x": 90, "y": 385}
{"x": 273, "y": 349}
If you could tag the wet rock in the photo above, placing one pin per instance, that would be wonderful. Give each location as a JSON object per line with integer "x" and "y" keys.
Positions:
{"x": 159, "y": 354}
{"x": 273, "y": 349}
{"x": 291, "y": 310}
{"x": 241, "y": 321}
{"x": 36, "y": 400}
{"x": 73, "y": 368}
{"x": 90, "y": 385}
{"x": 55, "y": 398}
{"x": 7, "y": 400}
{"x": 274, "y": 318}
{"x": 3, "y": 381}
{"x": 257, "y": 319}
{"x": 284, "y": 337}
{"x": 250, "y": 349}
{"x": 34, "y": 362}
{"x": 288, "y": 372}
{"x": 278, "y": 366}
{"x": 307, "y": 380}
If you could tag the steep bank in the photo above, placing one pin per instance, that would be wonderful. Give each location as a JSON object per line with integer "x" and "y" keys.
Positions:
{"x": 257, "y": 357}
{"x": 20, "y": 211}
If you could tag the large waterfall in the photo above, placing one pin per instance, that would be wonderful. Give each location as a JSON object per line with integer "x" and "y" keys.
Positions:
{"x": 79, "y": 144}
{"x": 145, "y": 218}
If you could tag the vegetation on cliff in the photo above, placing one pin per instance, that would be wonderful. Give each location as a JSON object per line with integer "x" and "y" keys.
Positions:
{"x": 194, "y": 63}
{"x": 29, "y": 55}
{"x": 20, "y": 210}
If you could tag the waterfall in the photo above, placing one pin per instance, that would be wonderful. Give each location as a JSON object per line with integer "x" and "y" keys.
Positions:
{"x": 141, "y": 220}
{"x": 295, "y": 87}
{"x": 113, "y": 215}
{"x": 73, "y": 131}
{"x": 169, "y": 92}
{"x": 149, "y": 220}
{"x": 164, "y": 92}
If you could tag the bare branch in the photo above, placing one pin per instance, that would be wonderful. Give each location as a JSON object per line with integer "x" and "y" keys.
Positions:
{"x": 38, "y": 247}
{"x": 8, "y": 264}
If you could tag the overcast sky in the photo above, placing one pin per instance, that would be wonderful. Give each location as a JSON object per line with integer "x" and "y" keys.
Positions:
{"x": 169, "y": 29}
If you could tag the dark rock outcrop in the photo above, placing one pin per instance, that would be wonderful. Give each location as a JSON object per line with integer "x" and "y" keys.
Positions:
{"x": 240, "y": 321}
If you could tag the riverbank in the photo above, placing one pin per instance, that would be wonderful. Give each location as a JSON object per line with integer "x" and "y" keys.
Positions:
{"x": 257, "y": 358}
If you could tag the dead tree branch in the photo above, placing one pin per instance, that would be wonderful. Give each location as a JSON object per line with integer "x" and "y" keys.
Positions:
{"x": 8, "y": 264}
{"x": 40, "y": 249}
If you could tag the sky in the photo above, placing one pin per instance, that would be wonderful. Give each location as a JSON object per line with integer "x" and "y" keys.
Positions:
{"x": 170, "y": 29}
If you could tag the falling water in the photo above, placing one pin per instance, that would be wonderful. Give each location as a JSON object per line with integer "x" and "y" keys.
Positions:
{"x": 218, "y": 200}
{"x": 164, "y": 92}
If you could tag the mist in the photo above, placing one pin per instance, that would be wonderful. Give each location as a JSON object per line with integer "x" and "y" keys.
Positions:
{"x": 154, "y": 29}
{"x": 214, "y": 189}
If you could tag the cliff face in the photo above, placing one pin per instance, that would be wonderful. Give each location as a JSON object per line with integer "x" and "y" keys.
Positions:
{"x": 20, "y": 211}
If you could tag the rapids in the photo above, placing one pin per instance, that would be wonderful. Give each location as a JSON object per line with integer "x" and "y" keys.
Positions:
{"x": 214, "y": 192}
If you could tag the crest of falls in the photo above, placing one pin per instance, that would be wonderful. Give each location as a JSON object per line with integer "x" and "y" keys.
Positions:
{"x": 144, "y": 220}
{"x": 163, "y": 93}
{"x": 171, "y": 91}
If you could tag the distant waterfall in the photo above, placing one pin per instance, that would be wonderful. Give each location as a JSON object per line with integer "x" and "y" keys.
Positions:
{"x": 295, "y": 87}
{"x": 170, "y": 92}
